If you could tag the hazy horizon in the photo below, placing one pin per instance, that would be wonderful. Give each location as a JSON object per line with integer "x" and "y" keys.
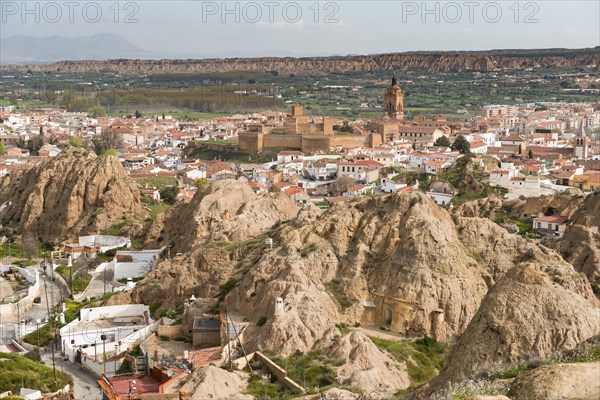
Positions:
{"x": 301, "y": 28}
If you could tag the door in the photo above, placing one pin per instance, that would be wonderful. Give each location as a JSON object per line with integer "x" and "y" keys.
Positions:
{"x": 388, "y": 317}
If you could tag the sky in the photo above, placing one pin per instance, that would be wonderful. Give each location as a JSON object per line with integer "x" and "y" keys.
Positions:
{"x": 274, "y": 27}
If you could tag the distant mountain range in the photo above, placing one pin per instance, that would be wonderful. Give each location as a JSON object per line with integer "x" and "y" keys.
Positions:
{"x": 108, "y": 52}
{"x": 26, "y": 49}
{"x": 31, "y": 50}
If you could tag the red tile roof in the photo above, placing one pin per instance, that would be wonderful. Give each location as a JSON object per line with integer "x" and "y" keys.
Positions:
{"x": 557, "y": 219}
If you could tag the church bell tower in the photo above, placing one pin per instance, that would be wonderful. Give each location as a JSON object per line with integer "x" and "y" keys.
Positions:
{"x": 393, "y": 101}
{"x": 581, "y": 144}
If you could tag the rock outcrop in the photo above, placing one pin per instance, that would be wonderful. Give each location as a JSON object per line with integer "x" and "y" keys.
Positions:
{"x": 580, "y": 244}
{"x": 401, "y": 248}
{"x": 534, "y": 311}
{"x": 226, "y": 211}
{"x": 580, "y": 381}
{"x": 216, "y": 383}
{"x": 564, "y": 203}
{"x": 71, "y": 194}
{"x": 367, "y": 367}
{"x": 223, "y": 225}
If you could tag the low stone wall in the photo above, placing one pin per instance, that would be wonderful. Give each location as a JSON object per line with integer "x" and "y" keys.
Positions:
{"x": 25, "y": 304}
{"x": 276, "y": 370}
{"x": 170, "y": 331}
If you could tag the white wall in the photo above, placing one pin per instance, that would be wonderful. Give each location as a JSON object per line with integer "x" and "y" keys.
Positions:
{"x": 74, "y": 337}
{"x": 106, "y": 242}
{"x": 143, "y": 255}
{"x": 131, "y": 270}
{"x": 127, "y": 310}
{"x": 26, "y": 302}
{"x": 440, "y": 198}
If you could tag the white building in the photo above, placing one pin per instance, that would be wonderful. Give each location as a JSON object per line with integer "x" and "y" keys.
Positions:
{"x": 442, "y": 193}
{"x": 102, "y": 335}
{"x": 289, "y": 156}
{"x": 94, "y": 244}
{"x": 555, "y": 224}
{"x": 512, "y": 178}
{"x": 389, "y": 186}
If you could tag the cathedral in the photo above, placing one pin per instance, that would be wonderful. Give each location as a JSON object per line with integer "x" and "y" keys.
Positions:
{"x": 311, "y": 136}
{"x": 393, "y": 100}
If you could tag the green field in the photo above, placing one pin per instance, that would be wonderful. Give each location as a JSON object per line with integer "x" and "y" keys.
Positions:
{"x": 18, "y": 371}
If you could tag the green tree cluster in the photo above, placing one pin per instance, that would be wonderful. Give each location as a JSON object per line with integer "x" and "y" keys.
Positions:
{"x": 442, "y": 141}
{"x": 462, "y": 145}
{"x": 169, "y": 194}
{"x": 75, "y": 141}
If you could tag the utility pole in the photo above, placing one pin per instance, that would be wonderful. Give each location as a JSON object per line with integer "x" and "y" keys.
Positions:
{"x": 53, "y": 322}
{"x": 71, "y": 279}
{"x": 238, "y": 339}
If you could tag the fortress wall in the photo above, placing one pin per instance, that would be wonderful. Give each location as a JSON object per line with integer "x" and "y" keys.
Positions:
{"x": 250, "y": 142}
{"x": 290, "y": 141}
{"x": 351, "y": 141}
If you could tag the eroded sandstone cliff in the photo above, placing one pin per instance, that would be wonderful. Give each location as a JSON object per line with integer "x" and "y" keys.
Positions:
{"x": 429, "y": 61}
{"x": 397, "y": 260}
{"x": 73, "y": 193}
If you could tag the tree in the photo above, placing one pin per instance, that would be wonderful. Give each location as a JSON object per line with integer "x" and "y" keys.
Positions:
{"x": 105, "y": 140}
{"x": 201, "y": 182}
{"x": 520, "y": 149}
{"x": 97, "y": 111}
{"x": 34, "y": 145}
{"x": 341, "y": 185}
{"x": 442, "y": 141}
{"x": 169, "y": 194}
{"x": 29, "y": 245}
{"x": 530, "y": 154}
{"x": 110, "y": 152}
{"x": 138, "y": 114}
{"x": 2, "y": 151}
{"x": 461, "y": 145}
{"x": 75, "y": 141}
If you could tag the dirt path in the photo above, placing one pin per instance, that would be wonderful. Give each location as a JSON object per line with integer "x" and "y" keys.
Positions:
{"x": 378, "y": 333}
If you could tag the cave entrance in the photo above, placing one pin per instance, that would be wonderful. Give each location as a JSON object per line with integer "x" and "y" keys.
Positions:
{"x": 388, "y": 317}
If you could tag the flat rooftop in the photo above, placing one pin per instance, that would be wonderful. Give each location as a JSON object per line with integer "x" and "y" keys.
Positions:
{"x": 108, "y": 323}
{"x": 144, "y": 385}
{"x": 206, "y": 323}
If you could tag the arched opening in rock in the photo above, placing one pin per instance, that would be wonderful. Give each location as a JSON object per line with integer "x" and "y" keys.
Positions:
{"x": 388, "y": 317}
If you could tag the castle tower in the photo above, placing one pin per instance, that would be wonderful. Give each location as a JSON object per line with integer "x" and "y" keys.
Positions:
{"x": 581, "y": 144}
{"x": 393, "y": 101}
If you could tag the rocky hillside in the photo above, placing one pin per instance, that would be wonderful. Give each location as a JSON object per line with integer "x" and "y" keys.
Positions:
{"x": 397, "y": 260}
{"x": 73, "y": 193}
{"x": 397, "y": 252}
{"x": 533, "y": 312}
{"x": 430, "y": 61}
{"x": 218, "y": 231}
{"x": 564, "y": 203}
{"x": 580, "y": 244}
